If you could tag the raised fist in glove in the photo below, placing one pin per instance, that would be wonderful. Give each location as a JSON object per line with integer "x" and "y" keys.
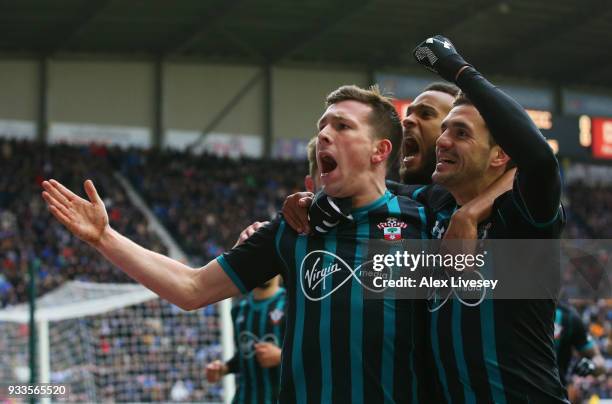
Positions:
{"x": 584, "y": 367}
{"x": 327, "y": 212}
{"x": 439, "y": 55}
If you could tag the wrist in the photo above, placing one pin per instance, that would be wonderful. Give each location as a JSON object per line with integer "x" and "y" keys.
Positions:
{"x": 106, "y": 239}
{"x": 461, "y": 71}
{"x": 465, "y": 216}
{"x": 451, "y": 66}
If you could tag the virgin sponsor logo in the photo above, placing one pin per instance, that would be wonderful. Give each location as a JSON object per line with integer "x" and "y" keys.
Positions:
{"x": 317, "y": 270}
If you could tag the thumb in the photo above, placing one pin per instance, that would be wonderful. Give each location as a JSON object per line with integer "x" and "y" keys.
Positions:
{"x": 305, "y": 202}
{"x": 90, "y": 189}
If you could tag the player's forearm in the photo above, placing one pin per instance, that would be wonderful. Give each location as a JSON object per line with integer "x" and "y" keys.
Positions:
{"x": 508, "y": 122}
{"x": 168, "y": 278}
{"x": 539, "y": 178}
{"x": 479, "y": 208}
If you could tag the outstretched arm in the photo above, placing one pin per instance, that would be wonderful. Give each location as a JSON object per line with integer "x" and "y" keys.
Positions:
{"x": 186, "y": 287}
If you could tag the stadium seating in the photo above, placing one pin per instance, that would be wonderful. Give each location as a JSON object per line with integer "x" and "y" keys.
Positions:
{"x": 204, "y": 201}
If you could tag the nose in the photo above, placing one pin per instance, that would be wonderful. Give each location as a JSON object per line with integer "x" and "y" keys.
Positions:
{"x": 444, "y": 142}
{"x": 409, "y": 121}
{"x": 324, "y": 137}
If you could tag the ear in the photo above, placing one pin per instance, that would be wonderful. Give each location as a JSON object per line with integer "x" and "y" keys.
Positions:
{"x": 499, "y": 157}
{"x": 382, "y": 150}
{"x": 309, "y": 183}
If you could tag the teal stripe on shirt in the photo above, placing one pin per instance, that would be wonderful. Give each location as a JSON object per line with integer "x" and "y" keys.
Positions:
{"x": 251, "y": 360}
{"x": 297, "y": 362}
{"x": 487, "y": 321}
{"x": 464, "y": 376}
{"x": 325, "y": 321}
{"x": 489, "y": 345}
{"x": 388, "y": 346}
{"x": 558, "y": 317}
{"x": 356, "y": 324}
{"x": 241, "y": 360}
{"x": 417, "y": 191}
{"x": 435, "y": 344}
{"x": 277, "y": 328}
{"x": 227, "y": 268}
{"x": 263, "y": 316}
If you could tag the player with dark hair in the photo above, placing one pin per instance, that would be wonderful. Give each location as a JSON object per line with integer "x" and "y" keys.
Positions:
{"x": 501, "y": 350}
{"x": 417, "y": 160}
{"x": 421, "y": 129}
{"x": 339, "y": 346}
{"x": 259, "y": 327}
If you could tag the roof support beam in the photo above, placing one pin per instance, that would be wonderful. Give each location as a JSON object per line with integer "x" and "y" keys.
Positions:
{"x": 540, "y": 36}
{"x": 327, "y": 23}
{"x": 42, "y": 116}
{"x": 86, "y": 17}
{"x": 462, "y": 14}
{"x": 217, "y": 12}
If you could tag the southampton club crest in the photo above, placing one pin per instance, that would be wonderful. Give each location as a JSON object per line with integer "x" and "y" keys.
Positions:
{"x": 276, "y": 315}
{"x": 392, "y": 228}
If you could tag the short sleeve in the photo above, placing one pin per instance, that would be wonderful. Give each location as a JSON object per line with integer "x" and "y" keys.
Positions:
{"x": 255, "y": 261}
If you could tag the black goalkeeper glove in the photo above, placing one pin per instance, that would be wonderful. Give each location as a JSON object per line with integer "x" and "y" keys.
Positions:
{"x": 584, "y": 367}
{"x": 439, "y": 55}
{"x": 327, "y": 212}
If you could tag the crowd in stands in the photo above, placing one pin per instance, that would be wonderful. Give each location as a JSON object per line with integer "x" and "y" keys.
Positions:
{"x": 598, "y": 317}
{"x": 148, "y": 352}
{"x": 588, "y": 200}
{"x": 30, "y": 236}
{"x": 204, "y": 201}
{"x": 591, "y": 207}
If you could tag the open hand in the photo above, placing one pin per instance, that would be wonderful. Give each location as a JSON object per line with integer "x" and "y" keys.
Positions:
{"x": 87, "y": 220}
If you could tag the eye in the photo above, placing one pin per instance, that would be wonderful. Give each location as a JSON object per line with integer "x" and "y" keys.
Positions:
{"x": 342, "y": 126}
{"x": 462, "y": 134}
{"x": 426, "y": 114}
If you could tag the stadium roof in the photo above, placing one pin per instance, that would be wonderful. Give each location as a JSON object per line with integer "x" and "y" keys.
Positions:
{"x": 557, "y": 41}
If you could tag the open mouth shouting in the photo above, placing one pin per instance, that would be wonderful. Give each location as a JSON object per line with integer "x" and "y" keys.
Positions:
{"x": 410, "y": 151}
{"x": 327, "y": 163}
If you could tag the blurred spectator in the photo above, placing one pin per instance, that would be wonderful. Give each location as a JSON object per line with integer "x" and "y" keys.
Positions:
{"x": 589, "y": 210}
{"x": 205, "y": 201}
{"x": 28, "y": 234}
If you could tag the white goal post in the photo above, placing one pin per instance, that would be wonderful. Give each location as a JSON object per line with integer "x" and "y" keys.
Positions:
{"x": 118, "y": 342}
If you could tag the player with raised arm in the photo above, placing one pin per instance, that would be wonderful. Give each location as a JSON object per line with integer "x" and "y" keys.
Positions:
{"x": 501, "y": 350}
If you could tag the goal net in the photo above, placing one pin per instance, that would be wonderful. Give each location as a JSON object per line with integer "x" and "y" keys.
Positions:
{"x": 114, "y": 342}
